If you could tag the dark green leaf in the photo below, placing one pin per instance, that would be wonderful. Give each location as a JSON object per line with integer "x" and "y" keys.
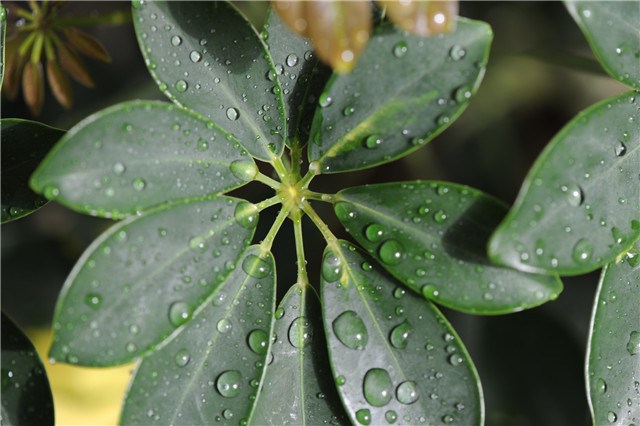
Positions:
{"x": 302, "y": 77}
{"x": 24, "y": 145}
{"x": 394, "y": 356}
{"x": 138, "y": 283}
{"x": 210, "y": 372}
{"x": 3, "y": 28}
{"x": 613, "y": 31}
{"x": 579, "y": 207}
{"x": 613, "y": 358}
{"x": 26, "y": 396}
{"x": 206, "y": 56}
{"x": 377, "y": 114}
{"x": 135, "y": 155}
{"x": 297, "y": 388}
{"x": 432, "y": 236}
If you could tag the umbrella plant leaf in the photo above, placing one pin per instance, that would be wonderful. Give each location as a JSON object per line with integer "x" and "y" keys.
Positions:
{"x": 209, "y": 373}
{"x": 613, "y": 31}
{"x": 432, "y": 236}
{"x": 208, "y": 57}
{"x": 139, "y": 154}
{"x": 302, "y": 76}
{"x": 24, "y": 145}
{"x": 297, "y": 387}
{"x": 395, "y": 358}
{"x": 579, "y": 206}
{"x": 26, "y": 395}
{"x": 140, "y": 282}
{"x": 375, "y": 114}
{"x": 613, "y": 357}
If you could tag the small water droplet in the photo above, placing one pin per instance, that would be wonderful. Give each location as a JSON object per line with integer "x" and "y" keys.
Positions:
{"x": 340, "y": 380}
{"x": 377, "y": 387}
{"x": 400, "y": 49}
{"x": 399, "y": 336}
{"x": 232, "y": 114}
{"x": 255, "y": 266}
{"x": 179, "y": 313}
{"x": 195, "y": 56}
{"x": 348, "y": 110}
{"x": 198, "y": 244}
{"x": 601, "y": 386}
{"x": 350, "y": 330}
{"x": 582, "y": 251}
{"x": 182, "y": 358}
{"x": 229, "y": 383}
{"x": 440, "y": 216}
{"x": 399, "y": 292}
{"x": 462, "y": 94}
{"x": 373, "y": 141}
{"x": 457, "y": 52}
{"x": 94, "y": 300}
{"x": 279, "y": 313}
{"x": 612, "y": 417}
{"x": 176, "y": 40}
{"x": 182, "y": 86}
{"x": 139, "y": 184}
{"x": 391, "y": 416}
{"x": 363, "y": 416}
{"x": 300, "y": 332}
{"x": 119, "y": 168}
{"x": 391, "y": 252}
{"x": 374, "y": 232}
{"x": 224, "y": 326}
{"x": 574, "y": 194}
{"x": 620, "y": 149}
{"x": 292, "y": 60}
{"x": 633, "y": 345}
{"x": 455, "y": 359}
{"x": 407, "y": 392}
{"x": 325, "y": 100}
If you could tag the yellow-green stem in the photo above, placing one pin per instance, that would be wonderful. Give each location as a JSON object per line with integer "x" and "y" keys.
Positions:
{"x": 303, "y": 279}
{"x": 267, "y": 181}
{"x": 265, "y": 245}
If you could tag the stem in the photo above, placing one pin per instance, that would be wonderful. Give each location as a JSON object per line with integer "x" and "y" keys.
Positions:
{"x": 307, "y": 178}
{"x": 117, "y": 17}
{"x": 265, "y": 245}
{"x": 331, "y": 239}
{"x": 268, "y": 203}
{"x": 280, "y": 167}
{"x": 296, "y": 153}
{"x": 303, "y": 279}
{"x": 327, "y": 198}
{"x": 267, "y": 181}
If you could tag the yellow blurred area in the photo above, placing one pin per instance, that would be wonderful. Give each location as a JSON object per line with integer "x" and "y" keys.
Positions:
{"x": 81, "y": 395}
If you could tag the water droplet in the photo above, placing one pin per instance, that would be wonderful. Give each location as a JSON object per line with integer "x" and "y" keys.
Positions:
{"x": 363, "y": 416}
{"x": 229, "y": 383}
{"x": 182, "y": 86}
{"x": 391, "y": 252}
{"x": 292, "y": 60}
{"x": 300, "y": 332}
{"x": 182, "y": 358}
{"x": 633, "y": 345}
{"x": 246, "y": 214}
{"x": 224, "y": 326}
{"x": 400, "y": 49}
{"x": 574, "y": 194}
{"x": 198, "y": 244}
{"x": 399, "y": 336}
{"x": 377, "y": 387}
{"x": 176, "y": 40}
{"x": 620, "y": 149}
{"x": 340, "y": 380}
{"x": 119, "y": 168}
{"x": 455, "y": 359}
{"x": 457, "y": 52}
{"x": 407, "y": 392}
{"x": 279, "y": 313}
{"x": 227, "y": 414}
{"x": 139, "y": 184}
{"x": 325, "y": 100}
{"x": 255, "y": 266}
{"x": 612, "y": 417}
{"x": 399, "y": 292}
{"x": 195, "y": 56}
{"x": 601, "y": 386}
{"x": 348, "y": 110}
{"x": 440, "y": 216}
{"x": 51, "y": 191}
{"x": 94, "y": 300}
{"x": 350, "y": 330}
{"x": 374, "y": 232}
{"x": 179, "y": 313}
{"x": 391, "y": 416}
{"x": 430, "y": 291}
{"x": 618, "y": 235}
{"x": 582, "y": 251}
{"x": 258, "y": 341}
{"x": 447, "y": 418}
{"x": 331, "y": 268}
{"x": 131, "y": 347}
{"x": 462, "y": 94}
{"x": 373, "y": 141}
{"x": 244, "y": 170}
{"x": 233, "y": 114}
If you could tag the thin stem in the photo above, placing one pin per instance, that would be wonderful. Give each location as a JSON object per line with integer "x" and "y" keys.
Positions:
{"x": 296, "y": 153}
{"x": 307, "y": 178}
{"x": 303, "y": 279}
{"x": 265, "y": 245}
{"x": 327, "y": 198}
{"x": 280, "y": 167}
{"x": 268, "y": 203}
{"x": 267, "y": 181}
{"x": 331, "y": 239}
{"x": 117, "y": 17}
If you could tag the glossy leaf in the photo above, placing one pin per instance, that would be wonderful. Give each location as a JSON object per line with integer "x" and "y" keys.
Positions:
{"x": 613, "y": 357}
{"x": 24, "y": 145}
{"x": 375, "y": 115}
{"x": 302, "y": 77}
{"x": 207, "y": 57}
{"x": 26, "y": 396}
{"x": 432, "y": 236}
{"x": 394, "y": 356}
{"x": 140, "y": 282}
{"x": 139, "y": 154}
{"x": 297, "y": 388}
{"x": 210, "y": 372}
{"x": 579, "y": 206}
{"x": 613, "y": 31}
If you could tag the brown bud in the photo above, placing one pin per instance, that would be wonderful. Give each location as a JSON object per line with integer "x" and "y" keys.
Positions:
{"x": 422, "y": 17}
{"x": 74, "y": 66}
{"x": 339, "y": 30}
{"x": 13, "y": 70}
{"x": 33, "y": 86}
{"x": 87, "y": 44}
{"x": 59, "y": 84}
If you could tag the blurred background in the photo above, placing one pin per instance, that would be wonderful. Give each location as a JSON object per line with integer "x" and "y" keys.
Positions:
{"x": 541, "y": 73}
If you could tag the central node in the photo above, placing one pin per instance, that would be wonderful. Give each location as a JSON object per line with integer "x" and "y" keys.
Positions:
{"x": 292, "y": 196}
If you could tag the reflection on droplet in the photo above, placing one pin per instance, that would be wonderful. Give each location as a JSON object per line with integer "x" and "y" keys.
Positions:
{"x": 331, "y": 268}
{"x": 292, "y": 60}
{"x": 224, "y": 325}
{"x": 391, "y": 416}
{"x": 374, "y": 232}
{"x": 258, "y": 341}
{"x": 633, "y": 345}
{"x": 176, "y": 40}
{"x": 182, "y": 358}
{"x": 198, "y": 244}
{"x": 350, "y": 330}
{"x": 399, "y": 336}
{"x": 246, "y": 215}
{"x": 457, "y": 52}
{"x": 233, "y": 114}
{"x": 179, "y": 313}
{"x": 620, "y": 149}
{"x": 363, "y": 416}
{"x": 244, "y": 170}
{"x": 574, "y": 194}
{"x": 400, "y": 49}
{"x": 601, "y": 386}
{"x": 391, "y": 252}
{"x": 407, "y": 392}
{"x": 300, "y": 332}
{"x": 229, "y": 383}
{"x": 255, "y": 266}
{"x": 195, "y": 56}
{"x": 182, "y": 86}
{"x": 582, "y": 251}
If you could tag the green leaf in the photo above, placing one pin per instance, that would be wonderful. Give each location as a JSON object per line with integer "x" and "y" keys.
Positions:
{"x": 26, "y": 396}
{"x": 210, "y": 372}
{"x": 139, "y": 283}
{"x": 432, "y": 236}
{"x": 136, "y": 155}
{"x": 613, "y": 354}
{"x": 579, "y": 206}
{"x": 375, "y": 114}
{"x": 3, "y": 28}
{"x": 208, "y": 57}
{"x": 302, "y": 76}
{"x": 613, "y": 31}
{"x": 24, "y": 145}
{"x": 395, "y": 358}
{"x": 297, "y": 388}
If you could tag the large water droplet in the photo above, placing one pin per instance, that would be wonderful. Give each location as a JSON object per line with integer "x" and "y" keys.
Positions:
{"x": 391, "y": 252}
{"x": 244, "y": 170}
{"x": 407, "y": 392}
{"x": 377, "y": 387}
{"x": 363, "y": 416}
{"x": 195, "y": 56}
{"x": 633, "y": 345}
{"x": 182, "y": 358}
{"x": 198, "y": 244}
{"x": 233, "y": 114}
{"x": 300, "y": 332}
{"x": 612, "y": 417}
{"x": 179, "y": 313}
{"x": 400, "y": 49}
{"x": 440, "y": 216}
{"x": 373, "y": 141}
{"x": 292, "y": 60}
{"x": 325, "y": 100}
{"x": 182, "y": 86}
{"x": 574, "y": 194}
{"x": 601, "y": 386}
{"x": 331, "y": 268}
{"x": 374, "y": 232}
{"x": 582, "y": 251}
{"x": 350, "y": 330}
{"x": 255, "y": 266}
{"x": 224, "y": 326}
{"x": 229, "y": 383}
{"x": 246, "y": 214}
{"x": 258, "y": 341}
{"x": 399, "y": 336}
{"x": 176, "y": 40}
